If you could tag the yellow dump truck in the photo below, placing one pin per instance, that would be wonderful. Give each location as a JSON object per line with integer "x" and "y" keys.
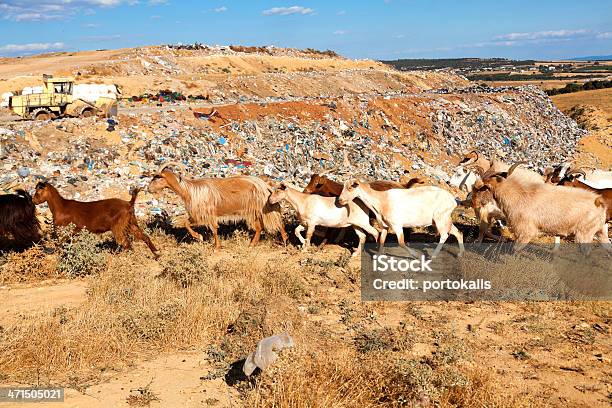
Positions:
{"x": 57, "y": 100}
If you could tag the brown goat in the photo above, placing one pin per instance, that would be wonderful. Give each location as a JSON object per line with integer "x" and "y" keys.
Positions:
{"x": 534, "y": 208}
{"x": 571, "y": 180}
{"x": 211, "y": 201}
{"x": 95, "y": 216}
{"x": 324, "y": 186}
{"x": 18, "y": 218}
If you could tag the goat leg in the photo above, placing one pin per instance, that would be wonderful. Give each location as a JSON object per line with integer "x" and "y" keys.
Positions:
{"x": 362, "y": 238}
{"x": 381, "y": 240}
{"x": 192, "y": 232}
{"x": 139, "y": 234}
{"x": 399, "y": 233}
{"x": 258, "y": 227}
{"x": 283, "y": 234}
{"x": 215, "y": 231}
{"x": 309, "y": 232}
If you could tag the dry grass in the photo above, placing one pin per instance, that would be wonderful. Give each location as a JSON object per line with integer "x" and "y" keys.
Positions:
{"x": 348, "y": 353}
{"x": 600, "y": 98}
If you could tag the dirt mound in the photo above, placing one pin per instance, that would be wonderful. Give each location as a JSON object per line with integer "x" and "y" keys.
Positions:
{"x": 224, "y": 72}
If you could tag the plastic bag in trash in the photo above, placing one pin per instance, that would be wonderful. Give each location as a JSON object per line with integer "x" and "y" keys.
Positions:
{"x": 266, "y": 352}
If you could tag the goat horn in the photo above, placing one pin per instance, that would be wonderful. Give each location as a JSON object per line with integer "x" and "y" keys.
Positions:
{"x": 513, "y": 167}
{"x": 563, "y": 170}
{"x": 475, "y": 158}
{"x": 579, "y": 171}
{"x": 463, "y": 181}
{"x": 172, "y": 163}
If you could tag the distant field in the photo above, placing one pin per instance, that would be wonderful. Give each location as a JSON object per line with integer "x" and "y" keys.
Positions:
{"x": 601, "y": 98}
{"x": 547, "y": 84}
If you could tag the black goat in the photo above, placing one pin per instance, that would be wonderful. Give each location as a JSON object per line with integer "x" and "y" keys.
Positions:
{"x": 18, "y": 218}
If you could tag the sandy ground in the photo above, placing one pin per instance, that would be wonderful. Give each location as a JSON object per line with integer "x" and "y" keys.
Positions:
{"x": 24, "y": 302}
{"x": 174, "y": 378}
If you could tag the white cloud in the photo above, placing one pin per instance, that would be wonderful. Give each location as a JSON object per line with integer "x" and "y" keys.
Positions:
{"x": 157, "y": 2}
{"x": 399, "y": 36}
{"x": 537, "y": 35}
{"x": 13, "y": 49}
{"x": 286, "y": 11}
{"x": 341, "y": 13}
{"x": 221, "y": 9}
{"x": 41, "y": 10}
{"x": 604, "y": 35}
{"x": 340, "y": 32}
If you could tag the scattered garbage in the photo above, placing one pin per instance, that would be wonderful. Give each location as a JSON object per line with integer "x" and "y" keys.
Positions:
{"x": 358, "y": 136}
{"x": 111, "y": 125}
{"x": 266, "y": 352}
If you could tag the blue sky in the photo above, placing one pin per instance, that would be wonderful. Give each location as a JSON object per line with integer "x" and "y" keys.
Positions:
{"x": 380, "y": 29}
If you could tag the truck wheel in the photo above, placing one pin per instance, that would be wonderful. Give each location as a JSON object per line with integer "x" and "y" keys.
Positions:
{"x": 87, "y": 113}
{"x": 41, "y": 114}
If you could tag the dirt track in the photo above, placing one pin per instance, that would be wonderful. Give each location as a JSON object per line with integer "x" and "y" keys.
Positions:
{"x": 24, "y": 303}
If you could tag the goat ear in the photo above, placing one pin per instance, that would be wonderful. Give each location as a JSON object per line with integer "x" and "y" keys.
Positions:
{"x": 478, "y": 184}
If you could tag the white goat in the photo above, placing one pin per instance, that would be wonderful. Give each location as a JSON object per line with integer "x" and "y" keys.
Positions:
{"x": 595, "y": 178}
{"x": 415, "y": 207}
{"x": 313, "y": 210}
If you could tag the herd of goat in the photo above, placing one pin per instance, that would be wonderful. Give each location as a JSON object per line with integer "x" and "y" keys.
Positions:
{"x": 561, "y": 203}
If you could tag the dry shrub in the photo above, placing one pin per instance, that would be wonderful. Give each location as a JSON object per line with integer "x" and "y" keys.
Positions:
{"x": 341, "y": 378}
{"x": 81, "y": 255}
{"x": 141, "y": 397}
{"x": 32, "y": 264}
{"x": 150, "y": 324}
{"x": 185, "y": 266}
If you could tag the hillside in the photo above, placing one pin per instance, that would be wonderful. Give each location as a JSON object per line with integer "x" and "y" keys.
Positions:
{"x": 220, "y": 73}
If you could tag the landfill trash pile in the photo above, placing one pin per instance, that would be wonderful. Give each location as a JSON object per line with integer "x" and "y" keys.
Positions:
{"x": 388, "y": 137}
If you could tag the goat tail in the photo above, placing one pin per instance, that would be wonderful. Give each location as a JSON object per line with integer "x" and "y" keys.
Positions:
{"x": 415, "y": 181}
{"x": 135, "y": 192}
{"x": 272, "y": 217}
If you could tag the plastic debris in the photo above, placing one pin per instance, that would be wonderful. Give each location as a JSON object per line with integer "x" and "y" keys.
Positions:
{"x": 266, "y": 352}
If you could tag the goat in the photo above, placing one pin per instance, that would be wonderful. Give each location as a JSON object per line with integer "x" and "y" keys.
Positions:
{"x": 112, "y": 214}
{"x": 415, "y": 207}
{"x": 18, "y": 218}
{"x": 313, "y": 210}
{"x": 597, "y": 179}
{"x": 571, "y": 180}
{"x": 534, "y": 208}
{"x": 471, "y": 169}
{"x": 326, "y": 187}
{"x": 210, "y": 201}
